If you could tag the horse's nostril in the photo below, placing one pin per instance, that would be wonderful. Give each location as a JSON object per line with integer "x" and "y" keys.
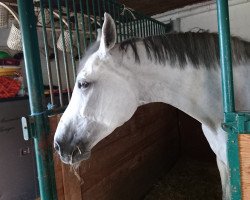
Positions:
{"x": 75, "y": 153}
{"x": 56, "y": 146}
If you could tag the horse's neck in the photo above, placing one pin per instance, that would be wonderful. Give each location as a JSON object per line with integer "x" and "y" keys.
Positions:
{"x": 194, "y": 91}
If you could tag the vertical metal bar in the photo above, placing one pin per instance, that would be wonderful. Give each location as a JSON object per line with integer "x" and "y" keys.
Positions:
{"x": 126, "y": 25}
{"x": 64, "y": 49}
{"x": 94, "y": 12}
{"x": 146, "y": 25}
{"x": 131, "y": 27}
{"x": 46, "y": 48}
{"x": 114, "y": 12}
{"x": 158, "y": 28}
{"x": 141, "y": 26}
{"x": 137, "y": 27}
{"x": 103, "y": 6}
{"x": 71, "y": 40}
{"x": 155, "y": 29}
{"x": 58, "y": 73}
{"x": 149, "y": 27}
{"x": 109, "y": 9}
{"x": 152, "y": 27}
{"x": 89, "y": 21}
{"x": 228, "y": 97}
{"x": 120, "y": 24}
{"x": 226, "y": 60}
{"x": 77, "y": 31}
{"x": 99, "y": 11}
{"x": 134, "y": 28}
{"x": 123, "y": 27}
{"x": 83, "y": 25}
{"x": 43, "y": 150}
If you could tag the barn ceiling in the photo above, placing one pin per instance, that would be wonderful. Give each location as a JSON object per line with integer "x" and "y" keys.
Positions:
{"x": 152, "y": 7}
{"x": 149, "y": 7}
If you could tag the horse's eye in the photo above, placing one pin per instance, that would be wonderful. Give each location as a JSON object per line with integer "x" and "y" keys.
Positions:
{"x": 83, "y": 85}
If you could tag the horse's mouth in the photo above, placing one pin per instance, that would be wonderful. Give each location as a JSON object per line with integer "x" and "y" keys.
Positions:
{"x": 73, "y": 159}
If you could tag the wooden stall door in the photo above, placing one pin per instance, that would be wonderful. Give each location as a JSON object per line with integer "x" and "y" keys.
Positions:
{"x": 127, "y": 163}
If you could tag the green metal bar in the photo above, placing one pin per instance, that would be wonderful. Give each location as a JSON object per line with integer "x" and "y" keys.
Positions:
{"x": 143, "y": 27}
{"x": 134, "y": 27}
{"x": 226, "y": 60}
{"x": 83, "y": 25}
{"x": 46, "y": 48}
{"x": 155, "y": 29}
{"x": 114, "y": 12}
{"x": 103, "y": 5}
{"x": 228, "y": 98}
{"x": 150, "y": 27}
{"x": 119, "y": 19}
{"x": 89, "y": 22}
{"x": 94, "y": 12}
{"x": 131, "y": 27}
{"x": 99, "y": 11}
{"x": 141, "y": 24}
{"x": 123, "y": 27}
{"x": 43, "y": 150}
{"x": 109, "y": 9}
{"x": 70, "y": 40}
{"x": 77, "y": 31}
{"x": 137, "y": 27}
{"x": 126, "y": 25}
{"x": 53, "y": 33}
{"x": 64, "y": 49}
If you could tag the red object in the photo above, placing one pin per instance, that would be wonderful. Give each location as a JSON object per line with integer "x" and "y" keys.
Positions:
{"x": 9, "y": 87}
{"x": 9, "y": 61}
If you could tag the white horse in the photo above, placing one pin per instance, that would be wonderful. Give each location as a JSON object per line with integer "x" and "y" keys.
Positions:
{"x": 180, "y": 69}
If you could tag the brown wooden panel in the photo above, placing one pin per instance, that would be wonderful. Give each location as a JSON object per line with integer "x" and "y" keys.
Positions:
{"x": 127, "y": 163}
{"x": 67, "y": 184}
{"x": 53, "y": 121}
{"x": 244, "y": 149}
{"x": 72, "y": 186}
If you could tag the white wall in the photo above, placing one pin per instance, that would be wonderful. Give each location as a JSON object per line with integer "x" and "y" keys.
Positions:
{"x": 239, "y": 21}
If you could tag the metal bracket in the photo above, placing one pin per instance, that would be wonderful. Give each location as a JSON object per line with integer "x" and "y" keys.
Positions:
{"x": 238, "y": 122}
{"x": 28, "y": 124}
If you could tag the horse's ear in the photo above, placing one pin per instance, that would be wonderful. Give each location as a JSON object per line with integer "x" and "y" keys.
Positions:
{"x": 108, "y": 37}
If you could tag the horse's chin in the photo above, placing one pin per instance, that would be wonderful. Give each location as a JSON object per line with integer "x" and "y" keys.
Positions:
{"x": 76, "y": 159}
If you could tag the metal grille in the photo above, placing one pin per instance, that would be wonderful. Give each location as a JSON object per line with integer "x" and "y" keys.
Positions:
{"x": 69, "y": 26}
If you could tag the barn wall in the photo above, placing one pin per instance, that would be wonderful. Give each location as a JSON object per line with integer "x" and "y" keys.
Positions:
{"x": 239, "y": 21}
{"x": 204, "y": 16}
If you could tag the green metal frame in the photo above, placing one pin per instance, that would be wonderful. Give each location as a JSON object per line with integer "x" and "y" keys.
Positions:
{"x": 43, "y": 151}
{"x": 235, "y": 123}
{"x": 36, "y": 125}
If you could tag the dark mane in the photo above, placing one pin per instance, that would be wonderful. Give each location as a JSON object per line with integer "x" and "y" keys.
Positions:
{"x": 200, "y": 49}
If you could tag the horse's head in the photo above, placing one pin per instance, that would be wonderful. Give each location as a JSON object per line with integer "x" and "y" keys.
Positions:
{"x": 104, "y": 97}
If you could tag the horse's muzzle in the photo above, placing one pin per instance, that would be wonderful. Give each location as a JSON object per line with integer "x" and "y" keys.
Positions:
{"x": 71, "y": 154}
